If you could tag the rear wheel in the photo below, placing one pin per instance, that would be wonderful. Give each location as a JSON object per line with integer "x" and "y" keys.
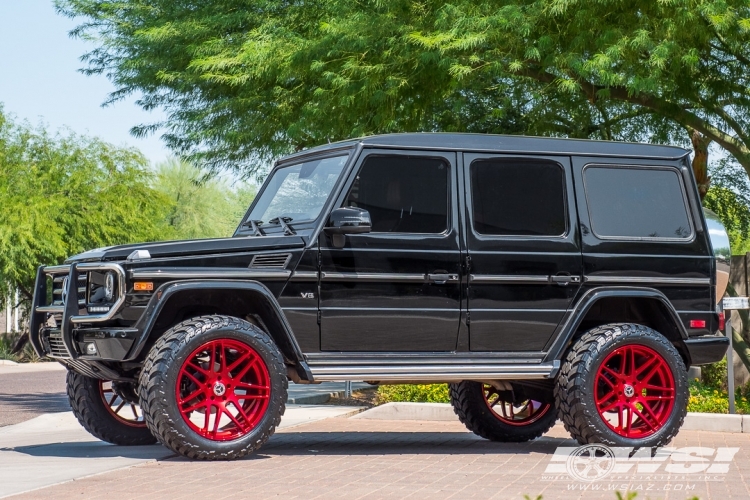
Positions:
{"x": 213, "y": 388}
{"x": 108, "y": 410}
{"x": 499, "y": 416}
{"x": 622, "y": 385}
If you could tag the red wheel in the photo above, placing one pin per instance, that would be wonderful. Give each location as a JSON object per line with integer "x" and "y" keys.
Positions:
{"x": 634, "y": 391}
{"x": 223, "y": 389}
{"x": 524, "y": 413}
{"x": 123, "y": 411}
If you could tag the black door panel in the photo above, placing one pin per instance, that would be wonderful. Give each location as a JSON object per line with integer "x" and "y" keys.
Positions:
{"x": 522, "y": 280}
{"x": 396, "y": 288}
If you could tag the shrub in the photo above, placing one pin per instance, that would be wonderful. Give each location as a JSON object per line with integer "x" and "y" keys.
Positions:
{"x": 715, "y": 375}
{"x": 425, "y": 393}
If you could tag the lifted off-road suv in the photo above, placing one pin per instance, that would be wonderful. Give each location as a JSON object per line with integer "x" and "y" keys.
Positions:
{"x": 541, "y": 278}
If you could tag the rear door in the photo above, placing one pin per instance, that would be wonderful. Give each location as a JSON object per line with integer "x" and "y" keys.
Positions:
{"x": 522, "y": 238}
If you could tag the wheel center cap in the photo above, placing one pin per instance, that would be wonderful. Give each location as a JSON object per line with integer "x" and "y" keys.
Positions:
{"x": 219, "y": 389}
{"x": 627, "y": 390}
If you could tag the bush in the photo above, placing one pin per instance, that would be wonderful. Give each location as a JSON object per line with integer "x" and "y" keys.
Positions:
{"x": 426, "y": 393}
{"x": 715, "y": 375}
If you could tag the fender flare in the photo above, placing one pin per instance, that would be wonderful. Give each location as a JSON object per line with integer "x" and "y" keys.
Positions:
{"x": 170, "y": 290}
{"x": 567, "y": 329}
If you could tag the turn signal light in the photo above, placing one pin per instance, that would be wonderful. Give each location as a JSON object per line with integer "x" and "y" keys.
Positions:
{"x": 143, "y": 286}
{"x": 697, "y": 323}
{"x": 722, "y": 321}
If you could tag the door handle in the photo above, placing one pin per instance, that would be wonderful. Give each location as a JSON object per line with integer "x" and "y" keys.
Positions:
{"x": 442, "y": 278}
{"x": 564, "y": 279}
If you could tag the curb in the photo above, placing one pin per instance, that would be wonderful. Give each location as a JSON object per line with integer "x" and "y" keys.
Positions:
{"x": 319, "y": 399}
{"x": 712, "y": 422}
{"x": 7, "y": 362}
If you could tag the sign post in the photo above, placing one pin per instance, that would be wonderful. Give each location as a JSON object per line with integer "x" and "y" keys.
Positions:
{"x": 732, "y": 304}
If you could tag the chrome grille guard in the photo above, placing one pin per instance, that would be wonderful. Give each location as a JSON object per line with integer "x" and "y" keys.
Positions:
{"x": 69, "y": 310}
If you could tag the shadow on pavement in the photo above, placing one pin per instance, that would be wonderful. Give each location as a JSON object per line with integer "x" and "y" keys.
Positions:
{"x": 35, "y": 402}
{"x": 92, "y": 449}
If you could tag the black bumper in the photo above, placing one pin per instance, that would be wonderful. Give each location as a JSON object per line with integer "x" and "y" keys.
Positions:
{"x": 706, "y": 350}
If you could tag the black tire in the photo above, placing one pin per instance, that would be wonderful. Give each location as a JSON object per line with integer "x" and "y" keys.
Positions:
{"x": 160, "y": 376}
{"x": 470, "y": 405}
{"x": 576, "y": 386}
{"x": 90, "y": 408}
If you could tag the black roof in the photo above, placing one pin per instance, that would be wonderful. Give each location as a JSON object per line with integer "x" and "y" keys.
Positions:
{"x": 508, "y": 144}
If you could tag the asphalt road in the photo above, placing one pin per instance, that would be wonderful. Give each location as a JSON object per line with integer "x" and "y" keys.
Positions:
{"x": 28, "y": 394}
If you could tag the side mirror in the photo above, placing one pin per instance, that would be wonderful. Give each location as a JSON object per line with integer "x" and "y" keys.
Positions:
{"x": 347, "y": 220}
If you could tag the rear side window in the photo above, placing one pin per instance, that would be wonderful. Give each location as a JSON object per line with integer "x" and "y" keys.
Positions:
{"x": 518, "y": 197}
{"x": 636, "y": 203}
{"x": 404, "y": 194}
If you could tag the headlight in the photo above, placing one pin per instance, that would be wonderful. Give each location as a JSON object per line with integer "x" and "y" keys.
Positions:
{"x": 109, "y": 286}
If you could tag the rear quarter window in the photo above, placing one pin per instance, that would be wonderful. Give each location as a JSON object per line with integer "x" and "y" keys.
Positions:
{"x": 637, "y": 203}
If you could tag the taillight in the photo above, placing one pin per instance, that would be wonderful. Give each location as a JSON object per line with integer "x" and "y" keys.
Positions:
{"x": 722, "y": 321}
{"x": 697, "y": 323}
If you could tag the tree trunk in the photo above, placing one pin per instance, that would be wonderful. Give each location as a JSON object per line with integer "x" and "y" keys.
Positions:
{"x": 700, "y": 161}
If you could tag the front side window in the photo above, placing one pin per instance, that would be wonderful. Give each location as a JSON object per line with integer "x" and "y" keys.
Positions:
{"x": 638, "y": 203}
{"x": 299, "y": 191}
{"x": 518, "y": 197}
{"x": 404, "y": 194}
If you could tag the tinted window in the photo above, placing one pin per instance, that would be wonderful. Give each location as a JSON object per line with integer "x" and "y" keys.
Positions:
{"x": 517, "y": 197}
{"x": 636, "y": 202}
{"x": 403, "y": 194}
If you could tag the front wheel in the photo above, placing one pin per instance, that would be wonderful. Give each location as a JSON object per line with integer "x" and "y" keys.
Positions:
{"x": 622, "y": 385}
{"x": 213, "y": 388}
{"x": 108, "y": 410}
{"x": 498, "y": 415}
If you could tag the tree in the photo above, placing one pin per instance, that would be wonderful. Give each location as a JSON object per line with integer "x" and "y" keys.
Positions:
{"x": 247, "y": 80}
{"x": 63, "y": 194}
{"x": 200, "y": 207}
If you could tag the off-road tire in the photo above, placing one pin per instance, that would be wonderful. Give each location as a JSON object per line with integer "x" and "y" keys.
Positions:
{"x": 159, "y": 376}
{"x": 469, "y": 404}
{"x": 85, "y": 398}
{"x": 574, "y": 390}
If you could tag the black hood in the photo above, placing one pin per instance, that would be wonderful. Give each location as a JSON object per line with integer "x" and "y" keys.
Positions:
{"x": 165, "y": 249}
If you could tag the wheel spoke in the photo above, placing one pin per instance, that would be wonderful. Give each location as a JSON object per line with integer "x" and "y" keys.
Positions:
{"x": 191, "y": 377}
{"x": 611, "y": 372}
{"x": 119, "y": 407}
{"x": 642, "y": 417}
{"x": 197, "y": 368}
{"x": 192, "y": 395}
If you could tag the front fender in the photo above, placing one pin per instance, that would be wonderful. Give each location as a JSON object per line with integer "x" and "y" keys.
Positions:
{"x": 270, "y": 311}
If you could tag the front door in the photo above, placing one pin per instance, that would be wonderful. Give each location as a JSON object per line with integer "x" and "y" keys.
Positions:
{"x": 525, "y": 266}
{"x": 396, "y": 288}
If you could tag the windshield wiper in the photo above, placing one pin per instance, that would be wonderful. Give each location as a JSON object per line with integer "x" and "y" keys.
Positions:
{"x": 284, "y": 222}
{"x": 255, "y": 226}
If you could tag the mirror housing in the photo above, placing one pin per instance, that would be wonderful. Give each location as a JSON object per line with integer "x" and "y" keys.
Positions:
{"x": 349, "y": 220}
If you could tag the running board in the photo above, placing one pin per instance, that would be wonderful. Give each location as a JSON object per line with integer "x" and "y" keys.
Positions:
{"x": 435, "y": 372}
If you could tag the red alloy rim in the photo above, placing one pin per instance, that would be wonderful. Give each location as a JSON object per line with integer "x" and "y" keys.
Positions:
{"x": 223, "y": 389}
{"x": 124, "y": 412}
{"x": 524, "y": 413}
{"x": 634, "y": 391}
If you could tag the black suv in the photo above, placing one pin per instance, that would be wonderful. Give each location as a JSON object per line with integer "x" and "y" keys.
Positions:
{"x": 540, "y": 278}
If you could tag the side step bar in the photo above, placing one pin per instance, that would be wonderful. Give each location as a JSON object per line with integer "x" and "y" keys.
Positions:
{"x": 434, "y": 372}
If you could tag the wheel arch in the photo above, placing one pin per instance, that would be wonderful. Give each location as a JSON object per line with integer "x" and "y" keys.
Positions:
{"x": 645, "y": 306}
{"x": 176, "y": 301}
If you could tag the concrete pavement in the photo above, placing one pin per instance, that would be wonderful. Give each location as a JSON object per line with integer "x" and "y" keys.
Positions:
{"x": 54, "y": 448}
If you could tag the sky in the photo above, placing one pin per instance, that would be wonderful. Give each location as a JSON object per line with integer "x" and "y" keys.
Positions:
{"x": 40, "y": 81}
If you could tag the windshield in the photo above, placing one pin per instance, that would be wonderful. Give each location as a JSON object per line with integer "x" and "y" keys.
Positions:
{"x": 298, "y": 192}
